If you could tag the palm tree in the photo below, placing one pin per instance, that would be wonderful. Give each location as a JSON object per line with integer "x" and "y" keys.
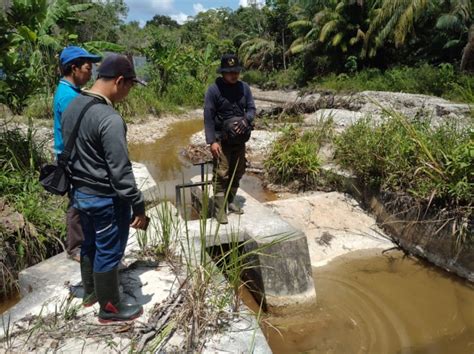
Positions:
{"x": 395, "y": 20}
{"x": 258, "y": 53}
{"x": 458, "y": 24}
{"x": 337, "y": 25}
{"x": 467, "y": 61}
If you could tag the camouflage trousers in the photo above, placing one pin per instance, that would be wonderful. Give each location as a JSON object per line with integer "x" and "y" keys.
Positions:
{"x": 228, "y": 169}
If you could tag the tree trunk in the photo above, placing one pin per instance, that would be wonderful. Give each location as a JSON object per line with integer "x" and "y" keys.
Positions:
{"x": 467, "y": 61}
{"x": 284, "y": 48}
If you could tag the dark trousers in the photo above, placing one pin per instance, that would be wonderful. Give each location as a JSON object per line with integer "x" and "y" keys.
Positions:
{"x": 228, "y": 169}
{"x": 74, "y": 234}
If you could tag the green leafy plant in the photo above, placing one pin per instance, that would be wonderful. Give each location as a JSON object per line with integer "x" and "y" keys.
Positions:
{"x": 413, "y": 156}
{"x": 294, "y": 155}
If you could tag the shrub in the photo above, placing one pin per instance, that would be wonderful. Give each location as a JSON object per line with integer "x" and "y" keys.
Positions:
{"x": 294, "y": 156}
{"x": 411, "y": 156}
{"x": 255, "y": 77}
{"x": 187, "y": 92}
{"x": 140, "y": 102}
{"x": 40, "y": 107}
{"x": 283, "y": 79}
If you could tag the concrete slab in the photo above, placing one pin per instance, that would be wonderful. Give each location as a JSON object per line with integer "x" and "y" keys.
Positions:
{"x": 145, "y": 181}
{"x": 243, "y": 336}
{"x": 46, "y": 286}
{"x": 333, "y": 223}
{"x": 281, "y": 270}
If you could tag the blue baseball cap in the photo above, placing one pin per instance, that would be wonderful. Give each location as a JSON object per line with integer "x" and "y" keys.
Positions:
{"x": 72, "y": 52}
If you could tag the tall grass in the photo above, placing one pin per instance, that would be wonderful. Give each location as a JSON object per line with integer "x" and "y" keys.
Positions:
{"x": 160, "y": 240}
{"x": 294, "y": 155}
{"x": 40, "y": 216}
{"x": 412, "y": 156}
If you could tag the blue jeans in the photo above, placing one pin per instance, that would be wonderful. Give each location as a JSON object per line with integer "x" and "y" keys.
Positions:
{"x": 105, "y": 222}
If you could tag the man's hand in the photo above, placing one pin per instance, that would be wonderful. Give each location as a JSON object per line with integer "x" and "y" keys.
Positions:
{"x": 140, "y": 222}
{"x": 242, "y": 126}
{"x": 216, "y": 150}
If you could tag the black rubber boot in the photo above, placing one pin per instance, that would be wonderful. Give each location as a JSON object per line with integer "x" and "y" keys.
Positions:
{"x": 219, "y": 209}
{"x": 87, "y": 276}
{"x": 234, "y": 207}
{"x": 111, "y": 309}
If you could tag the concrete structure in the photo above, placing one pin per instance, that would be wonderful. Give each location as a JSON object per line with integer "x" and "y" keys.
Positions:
{"x": 45, "y": 286}
{"x": 281, "y": 271}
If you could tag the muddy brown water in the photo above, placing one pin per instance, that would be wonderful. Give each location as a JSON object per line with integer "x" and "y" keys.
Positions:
{"x": 166, "y": 165}
{"x": 6, "y": 304}
{"x": 373, "y": 303}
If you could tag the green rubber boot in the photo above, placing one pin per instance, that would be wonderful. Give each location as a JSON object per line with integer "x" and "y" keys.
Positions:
{"x": 232, "y": 206}
{"x": 111, "y": 309}
{"x": 219, "y": 209}
{"x": 87, "y": 276}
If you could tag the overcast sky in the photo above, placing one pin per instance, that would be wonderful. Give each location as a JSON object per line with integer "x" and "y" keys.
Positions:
{"x": 144, "y": 10}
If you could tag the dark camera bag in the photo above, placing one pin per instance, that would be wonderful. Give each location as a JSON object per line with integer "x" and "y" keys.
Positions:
{"x": 229, "y": 131}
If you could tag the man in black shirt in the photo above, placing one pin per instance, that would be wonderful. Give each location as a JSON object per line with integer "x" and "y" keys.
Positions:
{"x": 229, "y": 111}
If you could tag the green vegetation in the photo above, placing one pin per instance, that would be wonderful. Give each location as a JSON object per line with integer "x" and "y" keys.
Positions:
{"x": 412, "y": 156}
{"x": 36, "y": 232}
{"x": 441, "y": 81}
{"x": 294, "y": 155}
{"x": 402, "y": 45}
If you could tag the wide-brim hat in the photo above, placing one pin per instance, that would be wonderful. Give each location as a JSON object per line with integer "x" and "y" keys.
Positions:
{"x": 72, "y": 52}
{"x": 230, "y": 64}
{"x": 116, "y": 65}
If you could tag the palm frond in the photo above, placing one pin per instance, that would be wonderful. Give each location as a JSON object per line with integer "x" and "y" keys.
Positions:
{"x": 448, "y": 22}
{"x": 327, "y": 29}
{"x": 98, "y": 47}
{"x": 336, "y": 40}
{"x": 300, "y": 24}
{"x": 452, "y": 43}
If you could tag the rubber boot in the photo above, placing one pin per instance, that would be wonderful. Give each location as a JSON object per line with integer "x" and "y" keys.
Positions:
{"x": 219, "y": 209}
{"x": 111, "y": 309}
{"x": 87, "y": 275}
{"x": 234, "y": 207}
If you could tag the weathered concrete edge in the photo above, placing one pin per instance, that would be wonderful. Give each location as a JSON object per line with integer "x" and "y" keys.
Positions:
{"x": 349, "y": 184}
{"x": 283, "y": 280}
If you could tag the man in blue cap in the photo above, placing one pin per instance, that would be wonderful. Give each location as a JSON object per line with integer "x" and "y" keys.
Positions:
{"x": 76, "y": 70}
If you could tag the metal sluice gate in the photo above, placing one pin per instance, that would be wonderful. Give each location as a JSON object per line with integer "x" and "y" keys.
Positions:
{"x": 201, "y": 184}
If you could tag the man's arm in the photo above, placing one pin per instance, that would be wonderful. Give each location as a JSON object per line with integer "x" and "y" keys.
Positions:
{"x": 209, "y": 117}
{"x": 210, "y": 112}
{"x": 114, "y": 144}
{"x": 250, "y": 109}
